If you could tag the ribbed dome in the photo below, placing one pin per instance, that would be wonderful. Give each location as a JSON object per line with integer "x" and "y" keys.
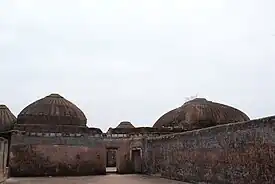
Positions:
{"x": 52, "y": 110}
{"x": 125, "y": 124}
{"x": 7, "y": 119}
{"x": 200, "y": 113}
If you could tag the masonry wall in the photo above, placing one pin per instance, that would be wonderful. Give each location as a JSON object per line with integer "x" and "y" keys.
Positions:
{"x": 3, "y": 159}
{"x": 234, "y": 153}
{"x": 124, "y": 164}
{"x": 56, "y": 156}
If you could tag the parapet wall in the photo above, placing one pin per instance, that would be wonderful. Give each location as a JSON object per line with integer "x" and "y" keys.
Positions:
{"x": 234, "y": 153}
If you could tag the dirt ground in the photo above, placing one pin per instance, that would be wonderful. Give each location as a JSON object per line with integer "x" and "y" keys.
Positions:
{"x": 110, "y": 178}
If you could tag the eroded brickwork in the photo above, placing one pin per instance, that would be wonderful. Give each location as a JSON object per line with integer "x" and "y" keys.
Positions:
{"x": 47, "y": 156}
{"x": 124, "y": 164}
{"x": 234, "y": 153}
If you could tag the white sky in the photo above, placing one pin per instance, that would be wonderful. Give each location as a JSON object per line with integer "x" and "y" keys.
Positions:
{"x": 136, "y": 59}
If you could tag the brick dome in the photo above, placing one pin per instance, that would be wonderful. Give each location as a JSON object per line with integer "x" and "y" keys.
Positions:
{"x": 7, "y": 119}
{"x": 125, "y": 124}
{"x": 200, "y": 113}
{"x": 52, "y": 110}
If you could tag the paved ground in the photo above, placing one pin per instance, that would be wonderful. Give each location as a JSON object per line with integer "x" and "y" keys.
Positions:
{"x": 110, "y": 178}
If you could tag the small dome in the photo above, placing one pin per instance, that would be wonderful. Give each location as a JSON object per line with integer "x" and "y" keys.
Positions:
{"x": 125, "y": 124}
{"x": 200, "y": 113}
{"x": 52, "y": 110}
{"x": 7, "y": 119}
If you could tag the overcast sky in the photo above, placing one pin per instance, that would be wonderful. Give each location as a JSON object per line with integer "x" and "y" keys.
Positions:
{"x": 135, "y": 60}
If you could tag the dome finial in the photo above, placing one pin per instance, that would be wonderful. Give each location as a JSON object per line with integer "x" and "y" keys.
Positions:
{"x": 2, "y": 106}
{"x": 55, "y": 95}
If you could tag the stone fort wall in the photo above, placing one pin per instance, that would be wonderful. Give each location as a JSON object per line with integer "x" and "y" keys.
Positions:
{"x": 63, "y": 154}
{"x": 52, "y": 154}
{"x": 233, "y": 153}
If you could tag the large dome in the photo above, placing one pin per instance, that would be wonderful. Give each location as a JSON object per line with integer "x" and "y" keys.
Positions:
{"x": 52, "y": 110}
{"x": 7, "y": 119}
{"x": 200, "y": 113}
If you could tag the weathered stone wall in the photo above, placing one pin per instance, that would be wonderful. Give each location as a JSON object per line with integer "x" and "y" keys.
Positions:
{"x": 3, "y": 159}
{"x": 124, "y": 164}
{"x": 233, "y": 153}
{"x": 56, "y": 156}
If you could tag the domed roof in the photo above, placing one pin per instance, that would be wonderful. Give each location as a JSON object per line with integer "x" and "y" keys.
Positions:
{"x": 200, "y": 113}
{"x": 7, "y": 119}
{"x": 125, "y": 124}
{"x": 52, "y": 110}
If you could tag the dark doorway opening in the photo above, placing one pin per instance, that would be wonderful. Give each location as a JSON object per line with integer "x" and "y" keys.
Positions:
{"x": 111, "y": 160}
{"x": 136, "y": 158}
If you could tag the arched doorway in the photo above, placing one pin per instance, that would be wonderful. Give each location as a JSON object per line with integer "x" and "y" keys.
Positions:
{"x": 111, "y": 160}
{"x": 136, "y": 154}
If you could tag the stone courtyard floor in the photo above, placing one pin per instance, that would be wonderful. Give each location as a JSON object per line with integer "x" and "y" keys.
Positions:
{"x": 109, "y": 178}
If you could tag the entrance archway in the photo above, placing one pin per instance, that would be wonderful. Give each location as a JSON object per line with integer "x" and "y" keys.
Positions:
{"x": 136, "y": 160}
{"x": 111, "y": 160}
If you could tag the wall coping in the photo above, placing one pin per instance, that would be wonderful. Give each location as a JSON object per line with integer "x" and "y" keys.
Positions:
{"x": 270, "y": 120}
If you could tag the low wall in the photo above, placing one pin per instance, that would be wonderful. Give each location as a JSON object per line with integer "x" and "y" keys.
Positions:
{"x": 233, "y": 153}
{"x": 56, "y": 156}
